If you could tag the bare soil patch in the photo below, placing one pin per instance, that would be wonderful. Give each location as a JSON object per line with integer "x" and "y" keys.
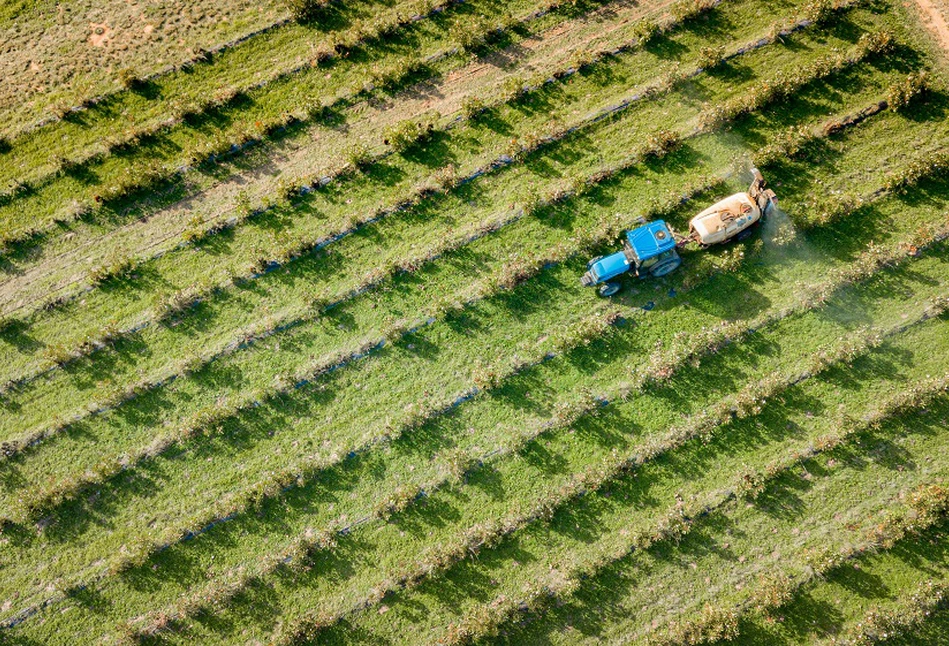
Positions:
{"x": 63, "y": 53}
{"x": 934, "y": 15}
{"x": 542, "y": 54}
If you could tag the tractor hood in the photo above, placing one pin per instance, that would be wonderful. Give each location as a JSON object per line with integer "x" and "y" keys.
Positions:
{"x": 650, "y": 240}
{"x": 608, "y": 267}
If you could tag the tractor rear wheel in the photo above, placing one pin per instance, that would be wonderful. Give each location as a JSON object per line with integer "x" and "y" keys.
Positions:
{"x": 608, "y": 289}
{"x": 666, "y": 266}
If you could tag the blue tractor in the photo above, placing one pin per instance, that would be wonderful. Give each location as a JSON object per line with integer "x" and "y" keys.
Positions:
{"x": 649, "y": 250}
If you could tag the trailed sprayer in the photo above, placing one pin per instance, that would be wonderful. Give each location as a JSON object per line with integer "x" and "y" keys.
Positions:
{"x": 651, "y": 250}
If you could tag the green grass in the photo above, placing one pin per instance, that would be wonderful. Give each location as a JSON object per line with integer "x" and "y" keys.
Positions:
{"x": 284, "y": 352}
{"x": 50, "y": 467}
{"x": 883, "y": 299}
{"x": 426, "y": 431}
{"x": 348, "y": 253}
{"x": 69, "y": 72}
{"x": 213, "y": 200}
{"x": 123, "y": 423}
{"x": 285, "y": 51}
{"x": 840, "y": 602}
{"x": 398, "y": 178}
{"x": 158, "y": 150}
{"x": 671, "y": 319}
{"x": 542, "y": 554}
{"x": 821, "y": 506}
{"x": 932, "y": 632}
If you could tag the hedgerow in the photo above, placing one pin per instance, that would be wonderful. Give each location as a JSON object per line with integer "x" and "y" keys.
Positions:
{"x": 527, "y": 267}
{"x": 363, "y": 162}
{"x": 671, "y": 527}
{"x": 306, "y": 10}
{"x": 902, "y": 94}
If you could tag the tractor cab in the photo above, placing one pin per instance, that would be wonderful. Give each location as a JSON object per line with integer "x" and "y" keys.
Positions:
{"x": 649, "y": 250}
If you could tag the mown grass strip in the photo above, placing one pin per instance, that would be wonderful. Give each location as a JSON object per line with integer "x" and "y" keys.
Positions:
{"x": 416, "y": 170}
{"x": 156, "y": 231}
{"x": 132, "y": 389}
{"x": 211, "y": 421}
{"x": 299, "y": 631}
{"x": 212, "y": 595}
{"x": 472, "y": 541}
{"x": 416, "y": 48}
{"x": 566, "y": 569}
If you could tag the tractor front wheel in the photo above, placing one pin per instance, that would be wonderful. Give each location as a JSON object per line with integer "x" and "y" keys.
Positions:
{"x": 608, "y": 289}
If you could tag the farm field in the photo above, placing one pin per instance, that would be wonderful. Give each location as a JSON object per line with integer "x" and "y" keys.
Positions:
{"x": 295, "y": 348}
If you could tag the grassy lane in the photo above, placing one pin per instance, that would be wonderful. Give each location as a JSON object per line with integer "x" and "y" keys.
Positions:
{"x": 333, "y": 210}
{"x": 389, "y": 413}
{"x": 248, "y": 115}
{"x": 533, "y": 556}
{"x": 824, "y": 509}
{"x": 763, "y": 589}
{"x": 51, "y": 62}
{"x": 296, "y": 298}
{"x": 286, "y": 54}
{"x": 863, "y": 600}
{"x": 661, "y": 328}
{"x": 113, "y": 501}
{"x": 50, "y": 398}
{"x": 61, "y": 267}
{"x": 282, "y": 49}
{"x": 119, "y": 429}
{"x": 404, "y": 462}
{"x": 77, "y": 444}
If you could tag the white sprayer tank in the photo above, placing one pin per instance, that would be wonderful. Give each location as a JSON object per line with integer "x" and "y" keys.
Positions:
{"x": 724, "y": 219}
{"x": 728, "y": 217}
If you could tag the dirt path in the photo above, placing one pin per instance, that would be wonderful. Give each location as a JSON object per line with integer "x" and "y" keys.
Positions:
{"x": 62, "y": 53}
{"x": 934, "y": 18}
{"x": 319, "y": 152}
